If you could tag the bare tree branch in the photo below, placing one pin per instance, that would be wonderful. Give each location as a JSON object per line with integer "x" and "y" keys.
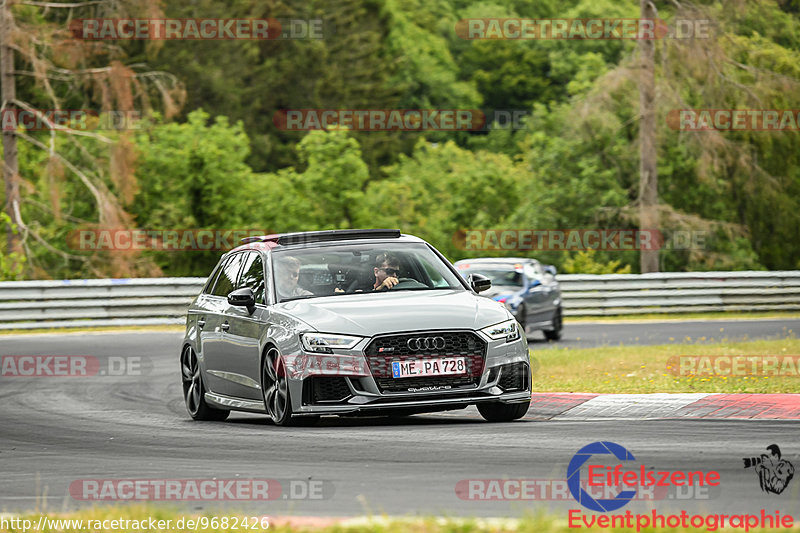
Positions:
{"x": 83, "y": 177}
{"x": 55, "y": 127}
{"x": 40, "y": 240}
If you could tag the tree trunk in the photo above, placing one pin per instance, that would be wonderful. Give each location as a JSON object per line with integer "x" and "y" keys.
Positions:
{"x": 10, "y": 160}
{"x": 648, "y": 174}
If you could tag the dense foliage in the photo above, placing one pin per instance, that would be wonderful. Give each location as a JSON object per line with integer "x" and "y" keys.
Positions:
{"x": 218, "y": 160}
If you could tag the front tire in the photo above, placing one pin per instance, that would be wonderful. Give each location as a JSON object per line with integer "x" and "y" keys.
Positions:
{"x": 275, "y": 389}
{"x": 503, "y": 412}
{"x": 194, "y": 391}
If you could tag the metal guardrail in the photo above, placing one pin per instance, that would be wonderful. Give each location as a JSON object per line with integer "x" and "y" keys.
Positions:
{"x": 96, "y": 302}
{"x": 680, "y": 292}
{"x": 154, "y": 301}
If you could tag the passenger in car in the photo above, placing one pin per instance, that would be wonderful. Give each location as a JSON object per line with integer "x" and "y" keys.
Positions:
{"x": 287, "y": 272}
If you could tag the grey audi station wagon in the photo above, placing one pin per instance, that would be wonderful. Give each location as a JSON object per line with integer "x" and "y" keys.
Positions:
{"x": 349, "y": 322}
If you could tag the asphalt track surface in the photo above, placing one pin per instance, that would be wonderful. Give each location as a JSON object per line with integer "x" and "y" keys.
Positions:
{"x": 56, "y": 430}
{"x": 587, "y": 335}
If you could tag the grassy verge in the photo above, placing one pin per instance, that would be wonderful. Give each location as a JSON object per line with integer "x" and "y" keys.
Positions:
{"x": 534, "y": 523}
{"x": 665, "y": 317}
{"x": 652, "y": 317}
{"x": 650, "y": 369}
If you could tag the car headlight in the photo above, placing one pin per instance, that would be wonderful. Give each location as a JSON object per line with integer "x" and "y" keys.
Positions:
{"x": 325, "y": 342}
{"x": 508, "y": 330}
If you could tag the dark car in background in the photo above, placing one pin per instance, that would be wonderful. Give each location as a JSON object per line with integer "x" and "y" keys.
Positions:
{"x": 527, "y": 288}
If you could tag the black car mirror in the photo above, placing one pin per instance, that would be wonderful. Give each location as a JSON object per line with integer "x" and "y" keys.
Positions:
{"x": 243, "y": 297}
{"x": 479, "y": 282}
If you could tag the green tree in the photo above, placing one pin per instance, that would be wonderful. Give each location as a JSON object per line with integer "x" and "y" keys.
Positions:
{"x": 325, "y": 195}
{"x": 193, "y": 175}
{"x": 443, "y": 189}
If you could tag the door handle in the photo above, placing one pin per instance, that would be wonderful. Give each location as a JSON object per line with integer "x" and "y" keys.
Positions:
{"x": 225, "y": 326}
{"x": 201, "y": 323}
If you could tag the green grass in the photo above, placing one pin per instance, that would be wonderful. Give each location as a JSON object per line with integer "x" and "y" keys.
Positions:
{"x": 644, "y": 369}
{"x": 650, "y": 317}
{"x": 661, "y": 317}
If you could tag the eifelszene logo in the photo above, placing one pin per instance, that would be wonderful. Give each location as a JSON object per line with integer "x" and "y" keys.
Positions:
{"x": 574, "y": 477}
{"x": 774, "y": 473}
{"x": 607, "y": 476}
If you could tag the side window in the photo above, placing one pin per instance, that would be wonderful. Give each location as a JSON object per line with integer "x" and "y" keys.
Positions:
{"x": 212, "y": 279}
{"x": 227, "y": 277}
{"x": 253, "y": 276}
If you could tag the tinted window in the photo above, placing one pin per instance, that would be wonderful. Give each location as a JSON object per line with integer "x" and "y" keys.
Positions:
{"x": 212, "y": 279}
{"x": 253, "y": 276}
{"x": 338, "y": 269}
{"x": 227, "y": 278}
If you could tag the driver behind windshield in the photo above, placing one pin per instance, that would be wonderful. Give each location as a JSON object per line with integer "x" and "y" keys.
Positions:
{"x": 287, "y": 273}
{"x": 387, "y": 271}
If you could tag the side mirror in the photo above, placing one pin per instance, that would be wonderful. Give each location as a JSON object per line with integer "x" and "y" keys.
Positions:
{"x": 479, "y": 282}
{"x": 550, "y": 269}
{"x": 243, "y": 297}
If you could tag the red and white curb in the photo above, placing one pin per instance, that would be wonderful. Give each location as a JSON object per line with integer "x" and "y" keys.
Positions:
{"x": 585, "y": 406}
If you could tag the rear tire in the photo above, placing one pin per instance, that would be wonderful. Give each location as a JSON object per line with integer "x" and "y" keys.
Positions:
{"x": 503, "y": 412}
{"x": 194, "y": 391}
{"x": 558, "y": 326}
{"x": 275, "y": 389}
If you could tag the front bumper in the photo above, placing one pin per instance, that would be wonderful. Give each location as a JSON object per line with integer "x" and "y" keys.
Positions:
{"x": 358, "y": 382}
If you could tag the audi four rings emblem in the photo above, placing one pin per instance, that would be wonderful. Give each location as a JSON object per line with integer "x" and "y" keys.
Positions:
{"x": 426, "y": 343}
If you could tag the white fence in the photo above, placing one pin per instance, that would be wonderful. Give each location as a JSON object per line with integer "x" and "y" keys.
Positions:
{"x": 151, "y": 301}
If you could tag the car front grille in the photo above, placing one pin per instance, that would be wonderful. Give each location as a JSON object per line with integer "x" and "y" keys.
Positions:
{"x": 382, "y": 351}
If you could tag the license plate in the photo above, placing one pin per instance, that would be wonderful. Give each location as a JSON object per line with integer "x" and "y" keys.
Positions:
{"x": 446, "y": 366}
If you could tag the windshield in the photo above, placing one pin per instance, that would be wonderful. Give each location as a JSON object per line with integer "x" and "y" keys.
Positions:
{"x": 335, "y": 270}
{"x": 500, "y": 276}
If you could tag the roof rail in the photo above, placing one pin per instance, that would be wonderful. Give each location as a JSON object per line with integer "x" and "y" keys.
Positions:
{"x": 326, "y": 236}
{"x": 248, "y": 240}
